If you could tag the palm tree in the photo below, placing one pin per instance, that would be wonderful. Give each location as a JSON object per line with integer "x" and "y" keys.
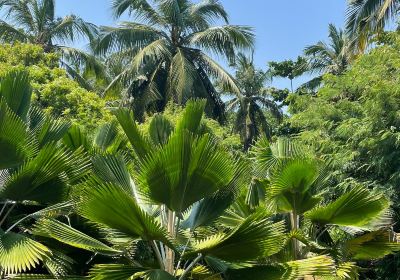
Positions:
{"x": 333, "y": 57}
{"x": 168, "y": 47}
{"x": 34, "y": 21}
{"x": 367, "y": 17}
{"x": 36, "y": 176}
{"x": 158, "y": 214}
{"x": 251, "y": 104}
{"x": 296, "y": 186}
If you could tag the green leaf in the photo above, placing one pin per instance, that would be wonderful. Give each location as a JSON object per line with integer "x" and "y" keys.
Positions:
{"x": 16, "y": 90}
{"x": 113, "y": 271}
{"x": 155, "y": 274}
{"x": 256, "y": 237}
{"x": 110, "y": 206}
{"x": 357, "y": 208}
{"x": 141, "y": 145}
{"x": 19, "y": 253}
{"x": 55, "y": 229}
{"x": 291, "y": 187}
{"x": 210, "y": 208}
{"x": 160, "y": 129}
{"x": 76, "y": 137}
{"x": 192, "y": 116}
{"x": 318, "y": 266}
{"x": 15, "y": 143}
{"x": 107, "y": 138}
{"x": 370, "y": 246}
{"x": 185, "y": 171}
{"x": 113, "y": 169}
{"x": 47, "y": 177}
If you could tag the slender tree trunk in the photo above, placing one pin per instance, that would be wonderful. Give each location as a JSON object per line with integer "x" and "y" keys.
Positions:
{"x": 169, "y": 253}
{"x": 294, "y": 221}
{"x": 291, "y": 85}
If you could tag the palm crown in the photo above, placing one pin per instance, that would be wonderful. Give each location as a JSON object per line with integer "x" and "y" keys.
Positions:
{"x": 168, "y": 46}
{"x": 251, "y": 103}
{"x": 366, "y": 17}
{"x": 333, "y": 57}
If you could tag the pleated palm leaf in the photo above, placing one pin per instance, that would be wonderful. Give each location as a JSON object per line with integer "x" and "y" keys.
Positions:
{"x": 334, "y": 57}
{"x": 34, "y": 21}
{"x": 252, "y": 103}
{"x": 368, "y": 17}
{"x": 180, "y": 183}
{"x": 36, "y": 176}
{"x": 168, "y": 45}
{"x": 295, "y": 184}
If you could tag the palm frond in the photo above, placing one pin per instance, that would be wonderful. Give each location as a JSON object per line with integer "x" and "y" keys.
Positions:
{"x": 255, "y": 237}
{"x": 112, "y": 169}
{"x": 160, "y": 129}
{"x": 113, "y": 271}
{"x": 14, "y": 139}
{"x": 16, "y": 91}
{"x": 185, "y": 171}
{"x": 192, "y": 116}
{"x": 370, "y": 246}
{"x": 9, "y": 33}
{"x": 223, "y": 40}
{"x": 142, "y": 9}
{"x": 123, "y": 214}
{"x": 47, "y": 177}
{"x": 215, "y": 70}
{"x": 140, "y": 143}
{"x": 126, "y": 35}
{"x": 320, "y": 266}
{"x": 19, "y": 253}
{"x": 66, "y": 234}
{"x": 345, "y": 211}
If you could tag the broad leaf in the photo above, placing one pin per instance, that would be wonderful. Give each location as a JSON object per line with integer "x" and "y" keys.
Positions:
{"x": 185, "y": 171}
{"x": 16, "y": 91}
{"x": 19, "y": 253}
{"x": 357, "y": 208}
{"x": 110, "y": 206}
{"x": 68, "y": 235}
{"x": 254, "y": 238}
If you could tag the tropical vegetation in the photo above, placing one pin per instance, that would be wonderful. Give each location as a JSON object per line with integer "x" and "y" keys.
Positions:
{"x": 141, "y": 157}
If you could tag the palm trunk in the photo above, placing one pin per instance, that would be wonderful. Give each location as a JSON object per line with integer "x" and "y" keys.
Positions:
{"x": 294, "y": 221}
{"x": 169, "y": 253}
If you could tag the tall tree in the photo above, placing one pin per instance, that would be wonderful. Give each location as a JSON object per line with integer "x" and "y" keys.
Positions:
{"x": 366, "y": 17}
{"x": 288, "y": 69}
{"x": 34, "y": 21}
{"x": 333, "y": 57}
{"x": 169, "y": 44}
{"x": 251, "y": 104}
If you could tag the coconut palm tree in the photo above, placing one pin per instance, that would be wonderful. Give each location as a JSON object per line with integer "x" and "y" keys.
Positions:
{"x": 333, "y": 57}
{"x": 34, "y": 21}
{"x": 367, "y": 17}
{"x": 296, "y": 186}
{"x": 168, "y": 45}
{"x": 252, "y": 103}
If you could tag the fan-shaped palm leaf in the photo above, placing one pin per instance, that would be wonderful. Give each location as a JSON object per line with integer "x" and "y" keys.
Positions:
{"x": 123, "y": 214}
{"x": 19, "y": 253}
{"x": 253, "y": 238}
{"x": 345, "y": 211}
{"x": 66, "y": 234}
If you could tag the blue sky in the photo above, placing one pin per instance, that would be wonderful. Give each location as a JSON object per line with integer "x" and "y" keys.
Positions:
{"x": 283, "y": 28}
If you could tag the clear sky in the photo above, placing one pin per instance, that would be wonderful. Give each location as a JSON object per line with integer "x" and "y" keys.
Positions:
{"x": 283, "y": 27}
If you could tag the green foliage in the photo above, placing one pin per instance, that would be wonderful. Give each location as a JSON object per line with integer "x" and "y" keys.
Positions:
{"x": 223, "y": 133}
{"x": 54, "y": 91}
{"x": 353, "y": 121}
